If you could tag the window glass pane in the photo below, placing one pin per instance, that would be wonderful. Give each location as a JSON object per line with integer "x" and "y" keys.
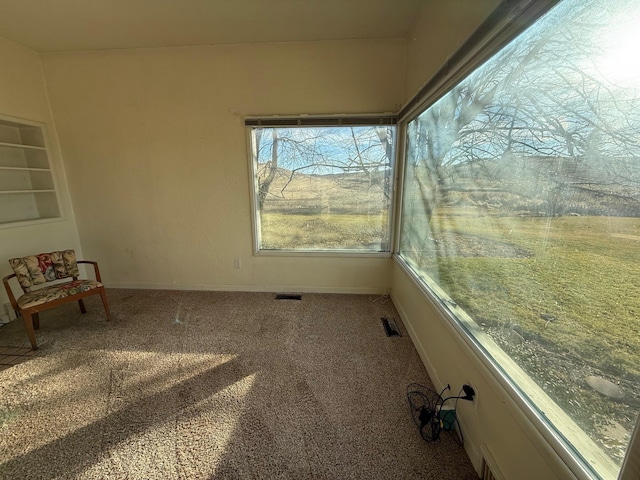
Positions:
{"x": 323, "y": 188}
{"x": 521, "y": 203}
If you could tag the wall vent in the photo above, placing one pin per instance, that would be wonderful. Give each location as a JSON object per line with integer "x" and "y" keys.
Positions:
{"x": 489, "y": 470}
{"x": 487, "y": 474}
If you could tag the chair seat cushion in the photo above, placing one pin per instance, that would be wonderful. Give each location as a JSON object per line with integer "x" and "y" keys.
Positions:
{"x": 55, "y": 292}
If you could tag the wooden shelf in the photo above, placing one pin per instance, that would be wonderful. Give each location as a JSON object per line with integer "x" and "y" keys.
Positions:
{"x": 27, "y": 169}
{"x": 2, "y": 192}
{"x": 21, "y": 145}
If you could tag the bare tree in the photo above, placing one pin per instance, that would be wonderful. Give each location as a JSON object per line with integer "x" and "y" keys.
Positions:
{"x": 287, "y": 152}
{"x": 541, "y": 98}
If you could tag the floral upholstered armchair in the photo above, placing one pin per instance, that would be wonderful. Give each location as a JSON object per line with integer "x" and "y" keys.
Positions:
{"x": 36, "y": 270}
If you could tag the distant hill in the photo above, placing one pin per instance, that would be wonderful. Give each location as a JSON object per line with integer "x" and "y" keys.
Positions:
{"x": 546, "y": 186}
{"x": 526, "y": 186}
{"x": 304, "y": 194}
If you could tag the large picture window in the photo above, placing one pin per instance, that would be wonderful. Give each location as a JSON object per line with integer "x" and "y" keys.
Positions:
{"x": 521, "y": 211}
{"x": 323, "y": 188}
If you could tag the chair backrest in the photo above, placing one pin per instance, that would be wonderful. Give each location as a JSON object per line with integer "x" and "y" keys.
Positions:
{"x": 44, "y": 267}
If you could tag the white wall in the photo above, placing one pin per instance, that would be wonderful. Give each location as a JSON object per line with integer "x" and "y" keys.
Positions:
{"x": 154, "y": 143}
{"x": 23, "y": 95}
{"x": 440, "y": 28}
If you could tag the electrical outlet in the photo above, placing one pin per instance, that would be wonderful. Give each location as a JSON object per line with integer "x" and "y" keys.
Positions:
{"x": 236, "y": 263}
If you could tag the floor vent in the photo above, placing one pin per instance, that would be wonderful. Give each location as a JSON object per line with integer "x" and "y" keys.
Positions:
{"x": 390, "y": 327}
{"x": 288, "y": 296}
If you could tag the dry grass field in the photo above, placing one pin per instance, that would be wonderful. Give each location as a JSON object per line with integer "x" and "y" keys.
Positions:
{"x": 325, "y": 212}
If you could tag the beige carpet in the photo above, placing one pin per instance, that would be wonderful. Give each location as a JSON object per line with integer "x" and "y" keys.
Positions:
{"x": 217, "y": 385}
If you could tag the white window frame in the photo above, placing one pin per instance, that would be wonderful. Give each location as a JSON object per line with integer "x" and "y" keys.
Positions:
{"x": 276, "y": 121}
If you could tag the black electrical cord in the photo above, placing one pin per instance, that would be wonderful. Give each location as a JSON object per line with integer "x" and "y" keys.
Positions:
{"x": 423, "y": 404}
{"x": 459, "y": 438}
{"x": 426, "y": 406}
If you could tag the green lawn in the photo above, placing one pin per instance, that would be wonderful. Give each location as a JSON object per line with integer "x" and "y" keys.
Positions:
{"x": 582, "y": 273}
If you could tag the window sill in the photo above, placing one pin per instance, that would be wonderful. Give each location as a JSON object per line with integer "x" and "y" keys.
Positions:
{"x": 321, "y": 253}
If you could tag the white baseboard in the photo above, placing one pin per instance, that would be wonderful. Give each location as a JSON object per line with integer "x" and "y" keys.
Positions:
{"x": 249, "y": 288}
{"x": 470, "y": 445}
{"x": 437, "y": 383}
{"x": 9, "y": 314}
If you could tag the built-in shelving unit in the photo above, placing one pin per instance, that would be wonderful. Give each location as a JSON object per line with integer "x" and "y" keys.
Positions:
{"x": 27, "y": 187}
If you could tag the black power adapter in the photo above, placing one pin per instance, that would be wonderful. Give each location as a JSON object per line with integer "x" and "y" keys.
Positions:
{"x": 469, "y": 393}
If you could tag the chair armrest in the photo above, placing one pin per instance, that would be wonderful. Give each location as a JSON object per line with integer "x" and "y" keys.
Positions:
{"x": 95, "y": 268}
{"x": 12, "y": 298}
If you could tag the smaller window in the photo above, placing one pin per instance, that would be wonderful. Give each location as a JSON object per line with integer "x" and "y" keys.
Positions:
{"x": 323, "y": 188}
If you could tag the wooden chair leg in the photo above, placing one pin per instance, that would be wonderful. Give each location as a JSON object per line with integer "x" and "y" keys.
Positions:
{"x": 103, "y": 295}
{"x": 36, "y": 320}
{"x": 28, "y": 325}
{"x": 82, "y": 307}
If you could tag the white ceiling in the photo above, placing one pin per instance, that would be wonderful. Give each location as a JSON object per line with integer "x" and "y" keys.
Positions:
{"x": 78, "y": 25}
